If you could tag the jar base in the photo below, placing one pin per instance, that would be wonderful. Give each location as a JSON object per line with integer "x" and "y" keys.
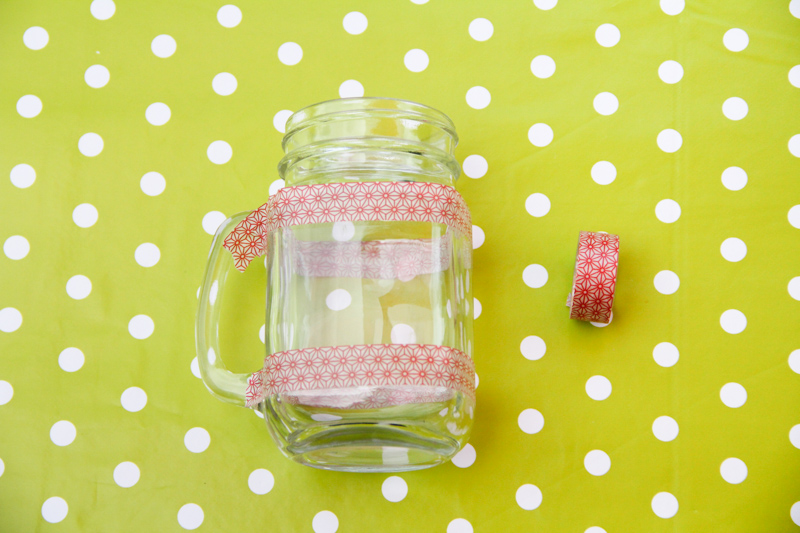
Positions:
{"x": 371, "y": 447}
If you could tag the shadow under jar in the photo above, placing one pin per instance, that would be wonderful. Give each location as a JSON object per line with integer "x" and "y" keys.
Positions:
{"x": 369, "y": 299}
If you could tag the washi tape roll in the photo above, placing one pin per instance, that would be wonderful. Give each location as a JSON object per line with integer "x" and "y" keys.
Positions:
{"x": 595, "y": 277}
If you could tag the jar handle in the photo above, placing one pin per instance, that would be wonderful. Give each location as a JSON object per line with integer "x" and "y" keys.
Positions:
{"x": 224, "y": 384}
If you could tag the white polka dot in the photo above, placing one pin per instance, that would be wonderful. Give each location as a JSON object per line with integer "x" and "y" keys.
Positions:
{"x": 290, "y": 53}
{"x": 794, "y": 8}
{"x": 158, "y": 114}
{"x": 478, "y": 97}
{"x": 734, "y": 108}
{"x": 733, "y": 470}
{"x": 84, "y": 215}
{"x": 666, "y": 354}
{"x": 733, "y": 249}
{"x": 672, "y": 7}
{"x": 2, "y": 467}
{"x": 794, "y": 288}
{"x": 22, "y": 176}
{"x": 163, "y": 46}
{"x": 668, "y": 211}
{"x": 351, "y": 89}
{"x": 126, "y": 474}
{"x": 197, "y": 440}
{"x": 35, "y": 38}
{"x": 478, "y": 237}
{"x": 794, "y": 512}
{"x": 403, "y": 334}
{"x": 229, "y": 16}
{"x": 147, "y": 254}
{"x": 477, "y": 380}
{"x": 530, "y": 421}
{"x": 29, "y": 106}
{"x": 6, "y": 392}
{"x": 343, "y": 230}
{"x": 141, "y": 326}
{"x": 664, "y": 505}
{"x": 79, "y": 287}
{"x": 665, "y": 428}
{"x": 606, "y": 103}
{"x": 212, "y": 221}
{"x": 670, "y": 72}
{"x": 794, "y": 436}
{"x": 794, "y": 361}
{"x": 16, "y": 247}
{"x": 481, "y": 29}
{"x": 190, "y": 516}
{"x": 133, "y": 399}
{"x": 532, "y": 348}
{"x": 604, "y": 172}
{"x": 540, "y": 135}
{"x": 152, "y": 184}
{"x": 262, "y": 334}
{"x": 607, "y": 35}
{"x": 477, "y": 308}
{"x": 733, "y": 395}
{"x": 735, "y": 40}
{"x": 103, "y": 9}
{"x": 734, "y": 178}
{"x": 537, "y": 205}
{"x": 260, "y": 481}
{"x": 543, "y": 66}
{"x": 598, "y": 388}
{"x": 55, "y": 509}
{"x": 325, "y": 522}
{"x": 419, "y": 2}
{"x": 415, "y": 60}
{"x": 529, "y": 497}
{"x": 733, "y": 321}
{"x": 10, "y": 320}
{"x": 394, "y": 489}
{"x": 279, "y": 120}
{"x": 666, "y": 282}
{"x": 595, "y": 529}
{"x": 63, "y": 433}
{"x": 195, "y": 368}
{"x": 534, "y": 276}
{"x": 545, "y": 4}
{"x": 219, "y": 152}
{"x": 475, "y": 166}
{"x": 224, "y": 83}
{"x": 90, "y": 144}
{"x": 275, "y": 186}
{"x": 96, "y": 76}
{"x": 355, "y": 23}
{"x": 338, "y": 299}
{"x": 669, "y": 140}
{"x": 71, "y": 359}
{"x": 465, "y": 458}
{"x": 794, "y": 145}
{"x": 597, "y": 462}
{"x": 794, "y": 76}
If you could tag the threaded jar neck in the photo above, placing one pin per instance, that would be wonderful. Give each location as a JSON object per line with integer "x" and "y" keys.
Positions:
{"x": 369, "y": 139}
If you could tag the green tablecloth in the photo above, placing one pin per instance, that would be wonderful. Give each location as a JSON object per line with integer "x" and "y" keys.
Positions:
{"x": 98, "y": 396}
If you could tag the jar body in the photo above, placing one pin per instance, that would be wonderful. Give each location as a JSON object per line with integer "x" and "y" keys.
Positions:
{"x": 364, "y": 307}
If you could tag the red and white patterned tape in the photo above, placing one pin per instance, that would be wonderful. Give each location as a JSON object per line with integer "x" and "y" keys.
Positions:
{"x": 595, "y": 278}
{"x": 358, "y": 201}
{"x": 393, "y": 368}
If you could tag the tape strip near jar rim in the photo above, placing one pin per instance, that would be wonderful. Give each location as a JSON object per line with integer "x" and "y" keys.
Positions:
{"x": 595, "y": 277}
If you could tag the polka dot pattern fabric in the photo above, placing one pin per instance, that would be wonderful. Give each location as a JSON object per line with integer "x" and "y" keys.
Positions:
{"x": 133, "y": 130}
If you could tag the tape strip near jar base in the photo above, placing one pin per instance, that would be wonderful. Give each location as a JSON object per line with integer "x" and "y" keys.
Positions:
{"x": 402, "y": 373}
{"x": 595, "y": 277}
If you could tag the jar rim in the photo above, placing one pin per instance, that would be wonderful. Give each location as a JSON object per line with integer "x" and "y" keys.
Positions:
{"x": 323, "y": 111}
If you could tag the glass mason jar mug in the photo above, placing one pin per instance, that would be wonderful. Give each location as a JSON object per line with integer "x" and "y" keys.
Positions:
{"x": 368, "y": 306}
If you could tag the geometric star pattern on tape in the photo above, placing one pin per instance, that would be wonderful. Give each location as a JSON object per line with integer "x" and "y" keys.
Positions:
{"x": 595, "y": 277}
